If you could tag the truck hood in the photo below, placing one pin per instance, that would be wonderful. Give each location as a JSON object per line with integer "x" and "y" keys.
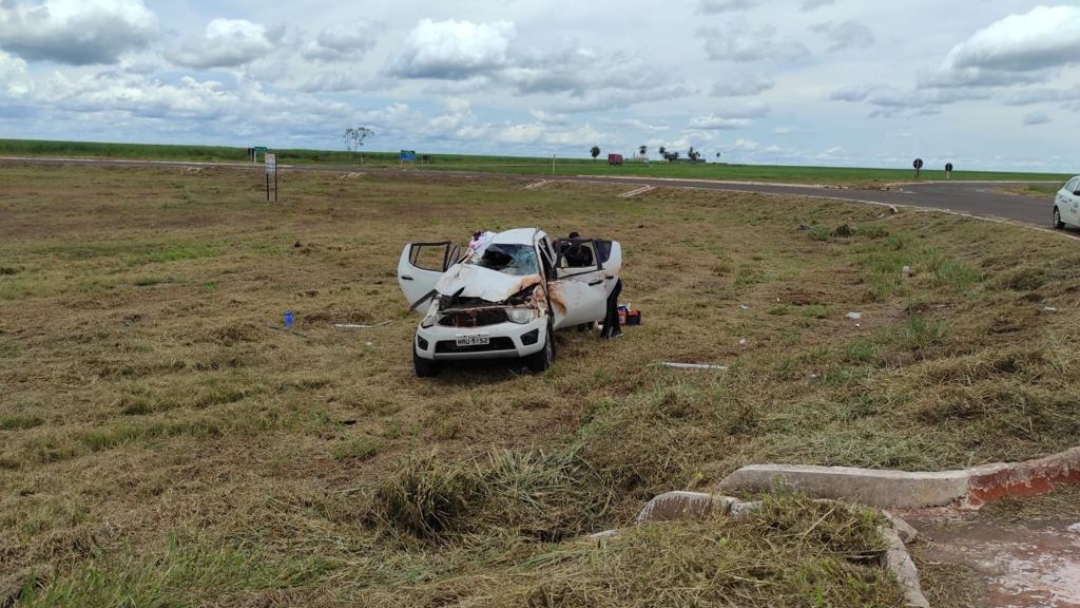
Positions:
{"x": 483, "y": 283}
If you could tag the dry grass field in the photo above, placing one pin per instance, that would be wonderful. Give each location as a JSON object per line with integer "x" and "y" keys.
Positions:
{"x": 163, "y": 442}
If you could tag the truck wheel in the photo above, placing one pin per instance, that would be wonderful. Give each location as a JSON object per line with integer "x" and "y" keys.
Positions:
{"x": 425, "y": 368}
{"x": 543, "y": 360}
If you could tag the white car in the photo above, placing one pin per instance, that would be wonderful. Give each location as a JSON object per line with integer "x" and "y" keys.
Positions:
{"x": 1067, "y": 204}
{"x": 507, "y": 299}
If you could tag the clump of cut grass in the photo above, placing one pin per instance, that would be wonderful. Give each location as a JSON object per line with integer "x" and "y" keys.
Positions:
{"x": 427, "y": 497}
{"x": 843, "y": 231}
{"x": 546, "y": 497}
{"x": 357, "y": 448}
{"x": 20, "y": 423}
{"x": 872, "y": 232}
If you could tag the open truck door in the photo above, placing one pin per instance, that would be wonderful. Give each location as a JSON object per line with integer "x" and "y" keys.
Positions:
{"x": 421, "y": 266}
{"x": 579, "y": 294}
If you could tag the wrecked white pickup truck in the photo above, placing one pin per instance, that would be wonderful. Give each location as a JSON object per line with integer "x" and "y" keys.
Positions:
{"x": 506, "y": 299}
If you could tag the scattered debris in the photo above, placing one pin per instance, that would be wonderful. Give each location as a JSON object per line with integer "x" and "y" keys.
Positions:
{"x": 742, "y": 342}
{"x": 354, "y": 326}
{"x": 854, "y": 316}
{"x": 805, "y": 228}
{"x": 907, "y": 271}
{"x": 893, "y": 210}
{"x": 350, "y": 176}
{"x": 537, "y": 185}
{"x": 348, "y": 422}
{"x": 699, "y": 366}
{"x": 641, "y": 190}
{"x": 744, "y": 307}
{"x": 1050, "y": 309}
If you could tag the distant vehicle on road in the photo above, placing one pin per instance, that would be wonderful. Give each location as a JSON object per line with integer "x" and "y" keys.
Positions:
{"x": 505, "y": 299}
{"x": 1067, "y": 204}
{"x": 615, "y": 159}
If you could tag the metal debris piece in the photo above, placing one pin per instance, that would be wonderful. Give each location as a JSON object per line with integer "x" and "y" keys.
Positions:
{"x": 641, "y": 190}
{"x": 361, "y": 326}
{"x": 698, "y": 366}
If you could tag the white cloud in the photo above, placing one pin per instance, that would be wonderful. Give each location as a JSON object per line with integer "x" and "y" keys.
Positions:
{"x": 227, "y": 43}
{"x": 453, "y": 50}
{"x": 845, "y": 35}
{"x": 742, "y": 86}
{"x": 712, "y": 122}
{"x": 712, "y": 7}
{"x": 343, "y": 41}
{"x": 1018, "y": 49}
{"x": 1045, "y": 37}
{"x": 75, "y": 32}
{"x": 14, "y": 76}
{"x": 1032, "y": 96}
{"x": 740, "y": 42}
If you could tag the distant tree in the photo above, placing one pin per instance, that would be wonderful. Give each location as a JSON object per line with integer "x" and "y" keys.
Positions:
{"x": 693, "y": 154}
{"x": 670, "y": 156}
{"x": 663, "y": 151}
{"x": 643, "y": 150}
{"x": 718, "y": 156}
{"x": 354, "y": 140}
{"x": 595, "y": 152}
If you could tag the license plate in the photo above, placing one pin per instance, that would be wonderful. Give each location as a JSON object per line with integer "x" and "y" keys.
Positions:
{"x": 474, "y": 341}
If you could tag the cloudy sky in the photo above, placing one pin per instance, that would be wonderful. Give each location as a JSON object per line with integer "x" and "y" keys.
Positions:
{"x": 984, "y": 83}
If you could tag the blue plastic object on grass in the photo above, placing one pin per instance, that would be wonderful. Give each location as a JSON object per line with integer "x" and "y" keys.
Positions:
{"x": 288, "y": 319}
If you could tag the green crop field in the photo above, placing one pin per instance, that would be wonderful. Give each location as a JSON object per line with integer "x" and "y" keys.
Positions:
{"x": 859, "y": 177}
{"x": 165, "y": 442}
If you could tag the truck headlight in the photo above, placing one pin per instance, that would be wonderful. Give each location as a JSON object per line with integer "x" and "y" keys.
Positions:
{"x": 521, "y": 316}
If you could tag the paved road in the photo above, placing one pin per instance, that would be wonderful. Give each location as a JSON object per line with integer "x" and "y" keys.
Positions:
{"x": 975, "y": 198}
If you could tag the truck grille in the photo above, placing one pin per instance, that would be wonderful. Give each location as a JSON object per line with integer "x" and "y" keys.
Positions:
{"x": 481, "y": 317}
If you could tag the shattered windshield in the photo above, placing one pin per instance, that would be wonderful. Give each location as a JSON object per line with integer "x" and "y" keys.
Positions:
{"x": 518, "y": 260}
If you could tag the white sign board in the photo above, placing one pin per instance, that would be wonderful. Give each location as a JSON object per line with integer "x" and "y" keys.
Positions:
{"x": 271, "y": 164}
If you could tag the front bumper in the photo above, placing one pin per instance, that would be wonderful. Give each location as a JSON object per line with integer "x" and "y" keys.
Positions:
{"x": 508, "y": 340}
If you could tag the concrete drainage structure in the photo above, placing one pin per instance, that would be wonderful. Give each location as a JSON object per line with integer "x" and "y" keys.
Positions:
{"x": 967, "y": 489}
{"x": 694, "y": 506}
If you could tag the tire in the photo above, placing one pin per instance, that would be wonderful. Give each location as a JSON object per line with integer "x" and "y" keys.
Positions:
{"x": 425, "y": 368}
{"x": 542, "y": 361}
{"x": 1058, "y": 224}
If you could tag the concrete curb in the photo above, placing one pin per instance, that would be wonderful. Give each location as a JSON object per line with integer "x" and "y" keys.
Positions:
{"x": 967, "y": 489}
{"x": 899, "y": 562}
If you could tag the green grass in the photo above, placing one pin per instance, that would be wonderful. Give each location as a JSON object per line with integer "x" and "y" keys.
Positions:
{"x": 314, "y": 469}
{"x": 519, "y": 165}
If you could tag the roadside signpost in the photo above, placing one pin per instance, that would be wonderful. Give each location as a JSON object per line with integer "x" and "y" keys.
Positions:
{"x": 948, "y": 170}
{"x": 918, "y": 164}
{"x": 271, "y": 169}
{"x": 256, "y": 151}
{"x": 407, "y": 156}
